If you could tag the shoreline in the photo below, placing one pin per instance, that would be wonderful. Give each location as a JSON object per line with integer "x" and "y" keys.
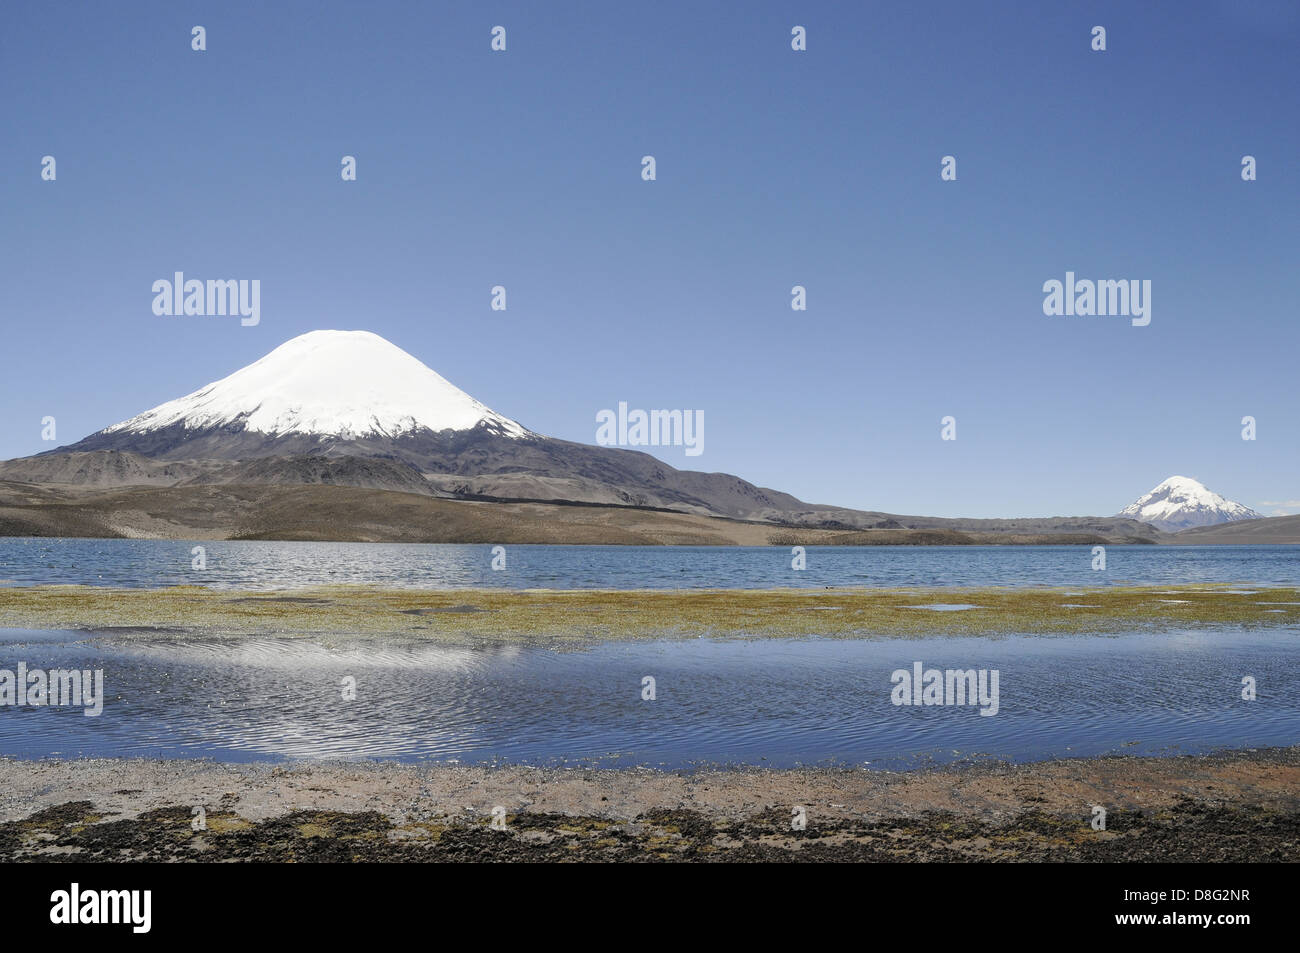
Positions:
{"x": 1233, "y": 805}
{"x": 554, "y": 617}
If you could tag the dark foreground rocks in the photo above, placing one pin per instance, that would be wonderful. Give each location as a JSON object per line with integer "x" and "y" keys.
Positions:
{"x": 1234, "y": 806}
{"x": 1187, "y": 832}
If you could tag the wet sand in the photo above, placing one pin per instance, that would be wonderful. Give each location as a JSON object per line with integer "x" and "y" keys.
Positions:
{"x": 555, "y": 618}
{"x": 1239, "y": 806}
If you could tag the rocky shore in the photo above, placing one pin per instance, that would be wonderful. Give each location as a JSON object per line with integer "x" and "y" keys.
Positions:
{"x": 1236, "y": 806}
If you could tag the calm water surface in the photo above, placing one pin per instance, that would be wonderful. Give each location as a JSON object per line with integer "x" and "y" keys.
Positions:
{"x": 770, "y": 702}
{"x": 275, "y": 565}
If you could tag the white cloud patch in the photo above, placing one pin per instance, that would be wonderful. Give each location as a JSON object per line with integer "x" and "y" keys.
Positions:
{"x": 1282, "y": 507}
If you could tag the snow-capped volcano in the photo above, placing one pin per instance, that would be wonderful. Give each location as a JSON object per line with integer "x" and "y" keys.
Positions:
{"x": 1181, "y": 502}
{"x": 327, "y": 384}
{"x": 348, "y": 408}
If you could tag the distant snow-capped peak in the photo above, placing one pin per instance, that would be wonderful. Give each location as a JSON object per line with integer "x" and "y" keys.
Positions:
{"x": 328, "y": 383}
{"x": 1181, "y": 502}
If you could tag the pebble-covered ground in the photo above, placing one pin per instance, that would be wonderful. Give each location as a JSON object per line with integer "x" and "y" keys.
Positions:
{"x": 1241, "y": 806}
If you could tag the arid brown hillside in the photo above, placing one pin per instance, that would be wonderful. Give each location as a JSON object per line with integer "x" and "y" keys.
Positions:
{"x": 359, "y": 514}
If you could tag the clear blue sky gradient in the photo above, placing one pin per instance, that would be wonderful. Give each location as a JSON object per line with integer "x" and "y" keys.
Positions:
{"x": 775, "y": 168}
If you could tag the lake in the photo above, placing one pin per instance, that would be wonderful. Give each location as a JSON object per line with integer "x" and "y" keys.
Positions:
{"x": 276, "y": 565}
{"x": 776, "y": 703}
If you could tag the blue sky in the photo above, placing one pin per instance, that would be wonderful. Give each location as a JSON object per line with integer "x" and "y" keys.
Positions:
{"x": 775, "y": 168}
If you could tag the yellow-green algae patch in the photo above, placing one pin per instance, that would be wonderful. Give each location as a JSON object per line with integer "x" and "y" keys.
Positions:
{"x": 558, "y": 617}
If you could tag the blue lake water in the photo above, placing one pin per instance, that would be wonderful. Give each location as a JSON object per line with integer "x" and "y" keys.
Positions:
{"x": 273, "y": 565}
{"x": 779, "y": 702}
{"x": 775, "y": 703}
